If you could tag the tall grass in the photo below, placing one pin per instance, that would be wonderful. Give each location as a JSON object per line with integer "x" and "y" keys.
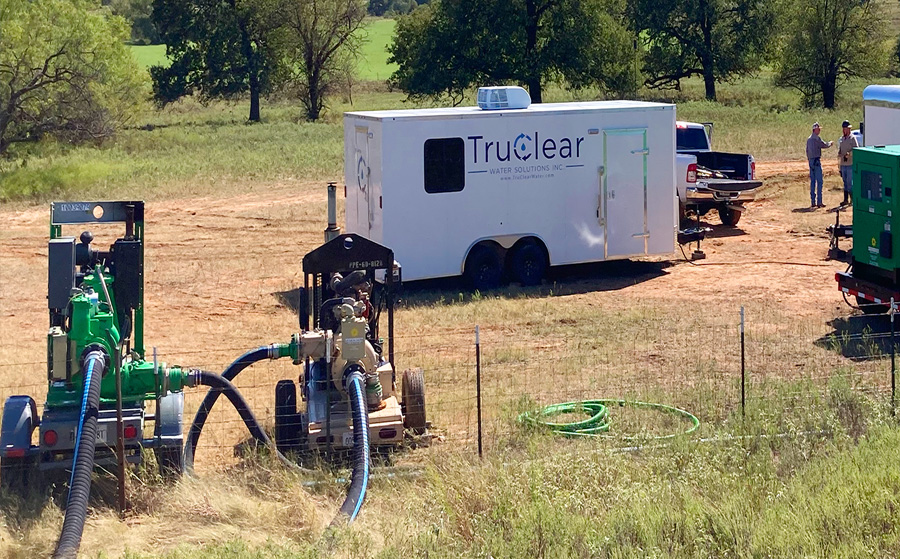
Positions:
{"x": 746, "y": 490}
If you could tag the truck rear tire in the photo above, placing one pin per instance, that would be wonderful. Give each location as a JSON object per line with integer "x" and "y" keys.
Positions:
{"x": 484, "y": 269}
{"x": 728, "y": 216}
{"x": 528, "y": 263}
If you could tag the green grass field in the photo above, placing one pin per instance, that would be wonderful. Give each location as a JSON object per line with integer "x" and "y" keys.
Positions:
{"x": 373, "y": 64}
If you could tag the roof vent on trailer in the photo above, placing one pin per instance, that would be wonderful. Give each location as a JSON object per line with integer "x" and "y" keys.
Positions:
{"x": 503, "y": 97}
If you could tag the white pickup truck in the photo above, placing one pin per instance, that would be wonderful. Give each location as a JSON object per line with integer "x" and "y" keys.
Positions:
{"x": 710, "y": 179}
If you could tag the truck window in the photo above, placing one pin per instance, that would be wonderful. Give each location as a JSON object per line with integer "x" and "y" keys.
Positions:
{"x": 871, "y": 186}
{"x": 690, "y": 138}
{"x": 445, "y": 165}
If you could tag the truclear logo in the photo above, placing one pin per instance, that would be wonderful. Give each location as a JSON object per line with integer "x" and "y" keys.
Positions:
{"x": 524, "y": 147}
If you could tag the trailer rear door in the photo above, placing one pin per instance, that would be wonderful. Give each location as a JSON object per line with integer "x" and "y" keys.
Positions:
{"x": 624, "y": 190}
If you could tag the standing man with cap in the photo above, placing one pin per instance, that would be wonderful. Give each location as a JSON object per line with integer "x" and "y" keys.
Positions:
{"x": 845, "y": 159}
{"x": 814, "y": 145}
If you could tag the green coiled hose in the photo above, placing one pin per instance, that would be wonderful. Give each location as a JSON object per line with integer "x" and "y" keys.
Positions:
{"x": 597, "y": 423}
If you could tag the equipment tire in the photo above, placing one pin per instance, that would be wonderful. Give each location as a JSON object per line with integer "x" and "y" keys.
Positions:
{"x": 869, "y": 307}
{"x": 484, "y": 269}
{"x": 170, "y": 460}
{"x": 413, "y": 390}
{"x": 288, "y": 423}
{"x": 18, "y": 476}
{"x": 528, "y": 263}
{"x": 728, "y": 216}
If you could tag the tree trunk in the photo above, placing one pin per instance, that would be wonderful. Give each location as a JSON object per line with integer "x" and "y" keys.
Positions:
{"x": 254, "y": 98}
{"x": 252, "y": 71}
{"x": 531, "y": 27}
{"x": 707, "y": 56}
{"x": 829, "y": 88}
{"x": 534, "y": 90}
{"x": 314, "y": 108}
{"x": 709, "y": 80}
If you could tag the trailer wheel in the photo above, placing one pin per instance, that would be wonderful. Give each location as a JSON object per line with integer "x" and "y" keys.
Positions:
{"x": 19, "y": 476}
{"x": 288, "y": 423}
{"x": 413, "y": 389}
{"x": 170, "y": 460}
{"x": 868, "y": 307}
{"x": 528, "y": 263}
{"x": 483, "y": 268}
{"x": 728, "y": 216}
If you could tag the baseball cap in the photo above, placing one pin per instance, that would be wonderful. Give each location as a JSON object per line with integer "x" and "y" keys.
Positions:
{"x": 816, "y": 125}
{"x": 845, "y": 124}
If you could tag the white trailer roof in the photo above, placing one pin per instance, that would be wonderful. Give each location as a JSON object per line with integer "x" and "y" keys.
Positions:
{"x": 884, "y": 93}
{"x": 536, "y": 108}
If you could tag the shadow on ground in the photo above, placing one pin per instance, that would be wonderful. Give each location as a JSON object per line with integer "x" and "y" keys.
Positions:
{"x": 861, "y": 337}
{"x": 561, "y": 280}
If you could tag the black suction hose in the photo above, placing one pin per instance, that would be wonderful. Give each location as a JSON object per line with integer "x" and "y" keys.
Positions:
{"x": 220, "y": 385}
{"x": 241, "y": 363}
{"x": 359, "y": 480}
{"x": 94, "y": 365}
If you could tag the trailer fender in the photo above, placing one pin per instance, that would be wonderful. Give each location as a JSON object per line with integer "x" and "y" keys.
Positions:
{"x": 19, "y": 421}
{"x": 170, "y": 419}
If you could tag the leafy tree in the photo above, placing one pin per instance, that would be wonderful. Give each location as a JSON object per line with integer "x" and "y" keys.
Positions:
{"x": 324, "y": 40}
{"x": 828, "y": 42}
{"x": 218, "y": 49}
{"x": 447, "y": 46}
{"x": 64, "y": 71}
{"x": 715, "y": 39}
{"x": 138, "y": 13}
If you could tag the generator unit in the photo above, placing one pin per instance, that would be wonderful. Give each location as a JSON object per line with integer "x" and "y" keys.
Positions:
{"x": 874, "y": 273}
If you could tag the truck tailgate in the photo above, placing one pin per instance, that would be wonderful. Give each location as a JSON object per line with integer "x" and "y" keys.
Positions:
{"x": 730, "y": 185}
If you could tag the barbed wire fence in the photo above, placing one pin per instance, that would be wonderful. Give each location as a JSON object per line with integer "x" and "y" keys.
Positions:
{"x": 712, "y": 365}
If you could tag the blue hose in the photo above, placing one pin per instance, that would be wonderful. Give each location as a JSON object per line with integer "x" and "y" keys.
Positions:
{"x": 359, "y": 480}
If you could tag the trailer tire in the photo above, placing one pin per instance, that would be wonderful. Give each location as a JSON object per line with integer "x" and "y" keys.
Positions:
{"x": 484, "y": 269}
{"x": 868, "y": 307}
{"x": 729, "y": 216}
{"x": 170, "y": 460}
{"x": 528, "y": 263}
{"x": 289, "y": 428}
{"x": 413, "y": 390}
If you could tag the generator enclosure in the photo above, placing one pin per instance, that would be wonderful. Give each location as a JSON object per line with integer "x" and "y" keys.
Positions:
{"x": 592, "y": 181}
{"x": 875, "y": 209}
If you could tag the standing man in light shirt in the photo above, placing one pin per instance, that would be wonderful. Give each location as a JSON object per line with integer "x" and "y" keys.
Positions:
{"x": 845, "y": 159}
{"x": 814, "y": 145}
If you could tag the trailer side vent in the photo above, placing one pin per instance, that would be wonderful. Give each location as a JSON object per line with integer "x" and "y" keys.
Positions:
{"x": 504, "y": 97}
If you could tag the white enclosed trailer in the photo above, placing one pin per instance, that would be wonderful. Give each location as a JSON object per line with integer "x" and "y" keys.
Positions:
{"x": 490, "y": 193}
{"x": 881, "y": 118}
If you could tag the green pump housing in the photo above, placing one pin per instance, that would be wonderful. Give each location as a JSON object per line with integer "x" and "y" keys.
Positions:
{"x": 96, "y": 299}
{"x": 876, "y": 210}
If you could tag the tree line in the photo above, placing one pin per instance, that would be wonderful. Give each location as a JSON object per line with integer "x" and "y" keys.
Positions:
{"x": 65, "y": 71}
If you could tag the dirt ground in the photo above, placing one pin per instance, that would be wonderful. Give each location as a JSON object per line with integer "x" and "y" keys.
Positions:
{"x": 214, "y": 266}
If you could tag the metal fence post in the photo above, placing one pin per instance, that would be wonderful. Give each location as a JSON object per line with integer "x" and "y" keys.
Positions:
{"x": 478, "y": 384}
{"x": 893, "y": 362}
{"x": 743, "y": 368}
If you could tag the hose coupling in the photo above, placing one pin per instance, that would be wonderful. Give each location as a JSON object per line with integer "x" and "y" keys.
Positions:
{"x": 350, "y": 370}
{"x": 95, "y": 351}
{"x": 192, "y": 378}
